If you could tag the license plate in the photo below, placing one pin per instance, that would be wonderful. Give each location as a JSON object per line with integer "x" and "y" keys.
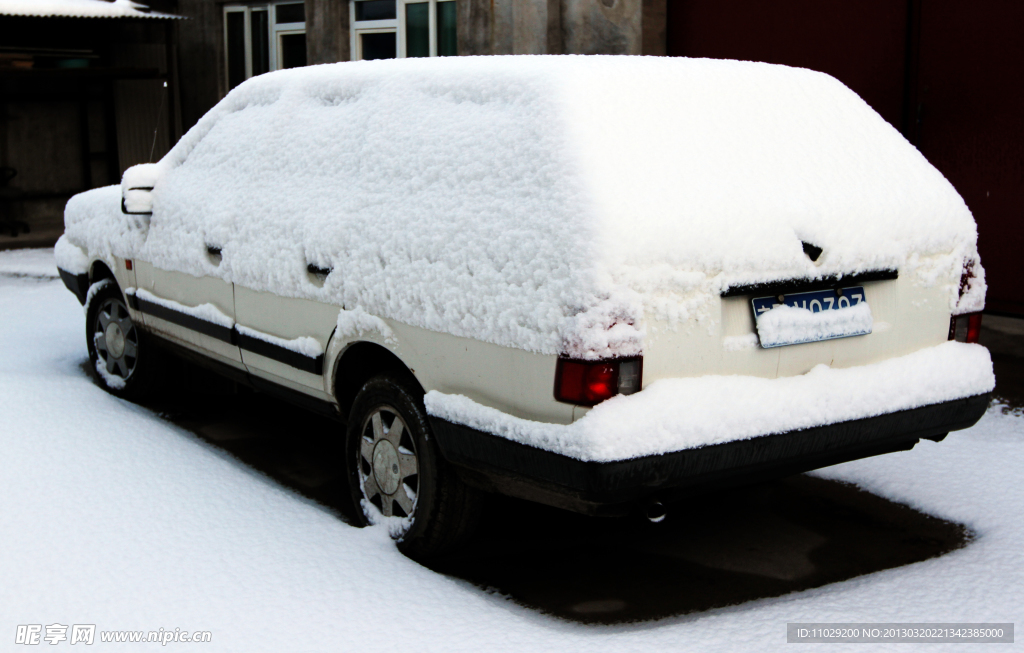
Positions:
{"x": 804, "y": 329}
{"x": 818, "y": 300}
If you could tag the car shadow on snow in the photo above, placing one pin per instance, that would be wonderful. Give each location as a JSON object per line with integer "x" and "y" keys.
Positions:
{"x": 715, "y": 550}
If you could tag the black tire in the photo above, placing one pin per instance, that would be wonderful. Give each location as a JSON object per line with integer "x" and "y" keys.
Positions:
{"x": 134, "y": 372}
{"x": 444, "y": 511}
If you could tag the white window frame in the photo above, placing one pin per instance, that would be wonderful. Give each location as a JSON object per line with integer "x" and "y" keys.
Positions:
{"x": 357, "y": 43}
{"x": 246, "y": 41}
{"x": 279, "y": 30}
{"x": 275, "y": 31}
{"x": 394, "y": 25}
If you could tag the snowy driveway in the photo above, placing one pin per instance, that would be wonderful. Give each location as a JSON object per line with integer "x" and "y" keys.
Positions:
{"x": 116, "y": 517}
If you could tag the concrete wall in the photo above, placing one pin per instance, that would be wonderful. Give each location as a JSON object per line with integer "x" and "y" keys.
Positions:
{"x": 561, "y": 27}
{"x": 602, "y": 26}
{"x": 200, "y": 45}
{"x": 485, "y": 26}
{"x": 654, "y": 27}
{"x": 327, "y": 35}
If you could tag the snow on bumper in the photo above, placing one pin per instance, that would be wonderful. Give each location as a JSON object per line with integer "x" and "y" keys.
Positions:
{"x": 676, "y": 414}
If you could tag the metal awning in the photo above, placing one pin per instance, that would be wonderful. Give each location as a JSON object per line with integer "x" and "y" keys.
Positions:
{"x": 79, "y": 9}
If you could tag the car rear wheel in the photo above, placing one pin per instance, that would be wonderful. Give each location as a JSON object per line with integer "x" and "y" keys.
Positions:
{"x": 398, "y": 477}
{"x": 122, "y": 358}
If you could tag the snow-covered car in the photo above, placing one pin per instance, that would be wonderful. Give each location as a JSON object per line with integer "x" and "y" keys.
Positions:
{"x": 591, "y": 282}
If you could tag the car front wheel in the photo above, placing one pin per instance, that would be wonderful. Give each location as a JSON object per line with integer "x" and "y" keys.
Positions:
{"x": 120, "y": 355}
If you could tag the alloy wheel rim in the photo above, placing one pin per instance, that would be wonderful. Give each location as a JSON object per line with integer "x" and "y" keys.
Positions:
{"x": 116, "y": 339}
{"x": 388, "y": 464}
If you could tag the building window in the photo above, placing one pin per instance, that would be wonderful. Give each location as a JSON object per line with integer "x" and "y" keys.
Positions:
{"x": 386, "y": 29}
{"x": 261, "y": 38}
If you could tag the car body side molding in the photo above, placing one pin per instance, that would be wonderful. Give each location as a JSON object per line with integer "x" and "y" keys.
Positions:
{"x": 199, "y": 325}
{"x": 281, "y": 354}
{"x": 230, "y": 335}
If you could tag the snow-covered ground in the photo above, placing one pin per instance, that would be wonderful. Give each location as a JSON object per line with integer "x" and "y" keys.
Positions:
{"x": 113, "y": 516}
{"x": 28, "y": 263}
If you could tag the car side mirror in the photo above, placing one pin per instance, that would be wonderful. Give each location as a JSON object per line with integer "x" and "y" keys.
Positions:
{"x": 137, "y": 201}
{"x": 137, "y": 189}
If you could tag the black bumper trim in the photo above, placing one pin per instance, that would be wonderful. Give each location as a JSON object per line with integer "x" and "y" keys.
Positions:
{"x": 78, "y": 284}
{"x": 498, "y": 463}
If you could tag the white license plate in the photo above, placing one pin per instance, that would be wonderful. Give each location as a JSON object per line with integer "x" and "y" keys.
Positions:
{"x": 814, "y": 316}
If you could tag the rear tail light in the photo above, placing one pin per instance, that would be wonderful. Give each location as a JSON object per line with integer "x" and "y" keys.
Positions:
{"x": 965, "y": 328}
{"x": 587, "y": 383}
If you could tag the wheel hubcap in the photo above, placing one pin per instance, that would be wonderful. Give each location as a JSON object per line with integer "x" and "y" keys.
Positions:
{"x": 385, "y": 467}
{"x": 388, "y": 465}
{"x": 116, "y": 340}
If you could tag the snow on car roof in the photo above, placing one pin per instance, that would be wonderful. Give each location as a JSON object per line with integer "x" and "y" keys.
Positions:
{"x": 547, "y": 203}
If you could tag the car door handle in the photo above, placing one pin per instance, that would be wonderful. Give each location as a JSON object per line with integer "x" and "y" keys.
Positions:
{"x": 318, "y": 271}
{"x": 214, "y": 253}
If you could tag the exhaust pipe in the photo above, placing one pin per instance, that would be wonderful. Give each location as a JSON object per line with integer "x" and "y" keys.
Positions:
{"x": 655, "y": 512}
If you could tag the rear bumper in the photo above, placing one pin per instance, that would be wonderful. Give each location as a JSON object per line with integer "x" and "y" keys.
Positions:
{"x": 76, "y": 283}
{"x": 498, "y": 464}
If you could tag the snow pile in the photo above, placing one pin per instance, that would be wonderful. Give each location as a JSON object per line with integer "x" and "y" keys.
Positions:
{"x": 116, "y": 517}
{"x": 79, "y": 9}
{"x": 141, "y": 176}
{"x": 791, "y": 325}
{"x": 112, "y": 380}
{"x": 69, "y": 257}
{"x": 544, "y": 203}
{"x": 355, "y": 322}
{"x": 675, "y": 414}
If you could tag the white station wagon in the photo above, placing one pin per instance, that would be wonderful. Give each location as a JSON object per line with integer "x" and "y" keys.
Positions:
{"x": 598, "y": 283}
